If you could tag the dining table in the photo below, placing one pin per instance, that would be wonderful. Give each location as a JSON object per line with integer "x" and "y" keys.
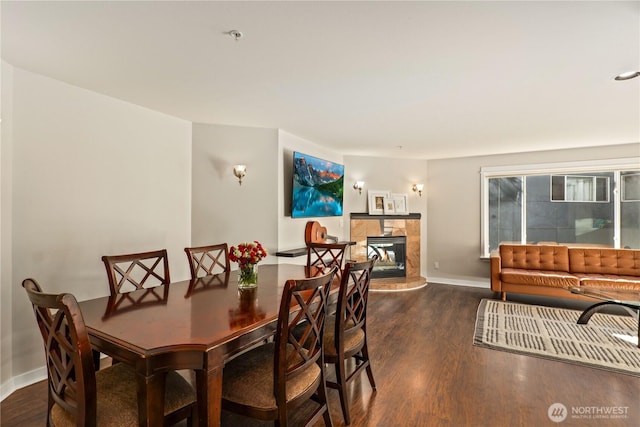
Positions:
{"x": 195, "y": 324}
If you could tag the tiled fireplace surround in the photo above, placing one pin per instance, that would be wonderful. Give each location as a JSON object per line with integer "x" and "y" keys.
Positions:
{"x": 365, "y": 225}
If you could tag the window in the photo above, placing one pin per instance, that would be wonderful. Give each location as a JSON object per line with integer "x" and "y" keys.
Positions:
{"x": 505, "y": 208}
{"x": 630, "y": 210}
{"x": 631, "y": 187}
{"x": 570, "y": 188}
{"x": 568, "y": 203}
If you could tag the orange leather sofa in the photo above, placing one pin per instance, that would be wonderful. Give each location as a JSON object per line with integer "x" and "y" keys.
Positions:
{"x": 550, "y": 270}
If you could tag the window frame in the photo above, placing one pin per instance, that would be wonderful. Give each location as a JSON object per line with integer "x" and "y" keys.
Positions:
{"x": 561, "y": 168}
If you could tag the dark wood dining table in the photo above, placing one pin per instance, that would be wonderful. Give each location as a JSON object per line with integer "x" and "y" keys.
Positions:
{"x": 192, "y": 324}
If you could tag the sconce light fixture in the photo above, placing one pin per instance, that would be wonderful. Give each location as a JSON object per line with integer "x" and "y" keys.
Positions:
{"x": 628, "y": 75}
{"x": 359, "y": 185}
{"x": 417, "y": 188}
{"x": 240, "y": 171}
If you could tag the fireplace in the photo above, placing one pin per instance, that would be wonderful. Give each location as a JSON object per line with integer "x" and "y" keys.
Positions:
{"x": 391, "y": 251}
{"x": 407, "y": 263}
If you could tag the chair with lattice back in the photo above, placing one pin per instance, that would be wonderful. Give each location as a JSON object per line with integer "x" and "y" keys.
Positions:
{"x": 324, "y": 256}
{"x": 269, "y": 380}
{"x": 131, "y": 272}
{"x": 79, "y": 396}
{"x": 208, "y": 260}
{"x": 346, "y": 331}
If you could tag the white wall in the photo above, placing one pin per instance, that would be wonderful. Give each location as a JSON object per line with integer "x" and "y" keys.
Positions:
{"x": 453, "y": 224}
{"x": 222, "y": 210}
{"x": 92, "y": 175}
{"x": 393, "y": 175}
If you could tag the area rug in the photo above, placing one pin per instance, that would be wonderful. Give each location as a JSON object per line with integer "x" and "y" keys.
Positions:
{"x": 606, "y": 342}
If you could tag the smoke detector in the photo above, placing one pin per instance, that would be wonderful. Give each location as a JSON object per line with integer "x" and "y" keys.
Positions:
{"x": 237, "y": 35}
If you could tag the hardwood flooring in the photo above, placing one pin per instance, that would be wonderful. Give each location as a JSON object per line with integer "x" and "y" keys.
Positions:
{"x": 428, "y": 373}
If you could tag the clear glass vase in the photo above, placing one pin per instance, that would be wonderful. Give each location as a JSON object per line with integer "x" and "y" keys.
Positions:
{"x": 248, "y": 276}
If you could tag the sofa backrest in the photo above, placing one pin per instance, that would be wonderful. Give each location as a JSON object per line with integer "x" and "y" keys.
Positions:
{"x": 605, "y": 261}
{"x": 535, "y": 257}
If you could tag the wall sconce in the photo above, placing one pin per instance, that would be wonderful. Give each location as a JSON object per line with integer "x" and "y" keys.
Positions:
{"x": 628, "y": 75}
{"x": 359, "y": 185}
{"x": 417, "y": 188}
{"x": 240, "y": 171}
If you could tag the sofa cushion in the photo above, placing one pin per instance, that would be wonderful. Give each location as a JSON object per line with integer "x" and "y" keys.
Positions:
{"x": 624, "y": 262}
{"x": 535, "y": 257}
{"x": 613, "y": 281}
{"x": 554, "y": 279}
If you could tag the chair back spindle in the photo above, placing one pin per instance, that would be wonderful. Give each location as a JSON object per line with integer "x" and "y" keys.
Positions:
{"x": 208, "y": 260}
{"x": 323, "y": 256}
{"x": 131, "y": 272}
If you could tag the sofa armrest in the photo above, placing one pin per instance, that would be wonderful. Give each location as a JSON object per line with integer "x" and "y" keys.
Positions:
{"x": 496, "y": 268}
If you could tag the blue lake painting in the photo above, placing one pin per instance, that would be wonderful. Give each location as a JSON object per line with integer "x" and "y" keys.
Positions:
{"x": 317, "y": 187}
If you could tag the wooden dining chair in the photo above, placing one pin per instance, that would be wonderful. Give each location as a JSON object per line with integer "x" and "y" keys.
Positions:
{"x": 268, "y": 381}
{"x": 131, "y": 272}
{"x": 80, "y": 396}
{"x": 324, "y": 256}
{"x": 346, "y": 331}
{"x": 208, "y": 260}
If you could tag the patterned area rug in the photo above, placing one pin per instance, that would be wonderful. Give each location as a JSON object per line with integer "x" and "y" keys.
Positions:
{"x": 607, "y": 342}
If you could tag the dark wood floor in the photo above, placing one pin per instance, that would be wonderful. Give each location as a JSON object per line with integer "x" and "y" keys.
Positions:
{"x": 429, "y": 373}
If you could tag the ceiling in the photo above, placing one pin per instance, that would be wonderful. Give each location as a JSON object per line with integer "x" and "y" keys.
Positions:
{"x": 391, "y": 79}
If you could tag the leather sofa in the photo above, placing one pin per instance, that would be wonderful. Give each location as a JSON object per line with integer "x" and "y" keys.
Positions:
{"x": 550, "y": 270}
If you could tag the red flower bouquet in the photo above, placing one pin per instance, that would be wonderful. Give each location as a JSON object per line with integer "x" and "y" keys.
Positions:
{"x": 247, "y": 255}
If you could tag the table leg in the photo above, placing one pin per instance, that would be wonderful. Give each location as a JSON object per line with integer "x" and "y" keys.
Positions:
{"x": 209, "y": 390}
{"x": 151, "y": 399}
{"x": 590, "y": 311}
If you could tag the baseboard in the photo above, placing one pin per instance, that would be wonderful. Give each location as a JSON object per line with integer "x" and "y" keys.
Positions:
{"x": 22, "y": 380}
{"x": 457, "y": 282}
{"x": 6, "y": 388}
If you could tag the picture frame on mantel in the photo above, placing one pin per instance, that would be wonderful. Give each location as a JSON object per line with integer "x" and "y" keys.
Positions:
{"x": 389, "y": 207}
{"x": 376, "y": 201}
{"x": 400, "y": 203}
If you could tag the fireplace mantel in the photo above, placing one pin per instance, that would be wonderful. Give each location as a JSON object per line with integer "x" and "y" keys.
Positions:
{"x": 367, "y": 216}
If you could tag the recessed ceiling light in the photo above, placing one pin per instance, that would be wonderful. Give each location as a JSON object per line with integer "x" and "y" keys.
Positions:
{"x": 628, "y": 75}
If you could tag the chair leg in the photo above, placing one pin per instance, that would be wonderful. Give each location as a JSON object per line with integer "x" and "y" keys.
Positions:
{"x": 365, "y": 356}
{"x": 322, "y": 399}
{"x": 281, "y": 421}
{"x": 96, "y": 360}
{"x": 342, "y": 390}
{"x": 49, "y": 406}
